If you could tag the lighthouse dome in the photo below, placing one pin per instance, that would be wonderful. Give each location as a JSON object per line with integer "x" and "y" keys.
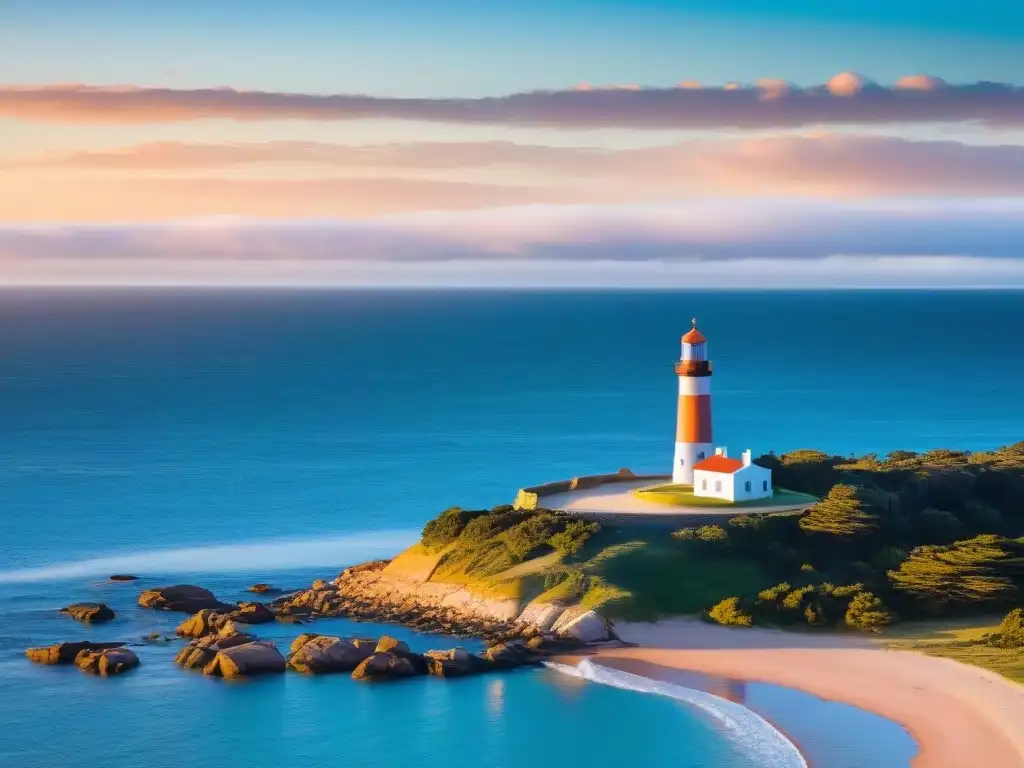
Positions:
{"x": 693, "y": 336}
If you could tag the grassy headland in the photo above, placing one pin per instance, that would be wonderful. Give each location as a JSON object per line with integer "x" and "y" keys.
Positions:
{"x": 906, "y": 537}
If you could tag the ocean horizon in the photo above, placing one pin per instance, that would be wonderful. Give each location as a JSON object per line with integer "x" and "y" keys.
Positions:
{"x": 224, "y": 437}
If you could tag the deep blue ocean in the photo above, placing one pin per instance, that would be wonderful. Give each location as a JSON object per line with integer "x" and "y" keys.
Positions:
{"x": 222, "y": 438}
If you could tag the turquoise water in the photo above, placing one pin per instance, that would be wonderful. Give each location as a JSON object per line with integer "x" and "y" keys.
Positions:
{"x": 225, "y": 438}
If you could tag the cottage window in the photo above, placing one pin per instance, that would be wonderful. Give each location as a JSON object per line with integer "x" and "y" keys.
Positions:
{"x": 682, "y": 462}
{"x": 746, "y": 486}
{"x": 718, "y": 486}
{"x": 704, "y": 484}
{"x": 764, "y": 486}
{"x": 700, "y": 455}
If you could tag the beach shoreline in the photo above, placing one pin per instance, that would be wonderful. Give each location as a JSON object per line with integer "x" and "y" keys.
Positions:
{"x": 957, "y": 714}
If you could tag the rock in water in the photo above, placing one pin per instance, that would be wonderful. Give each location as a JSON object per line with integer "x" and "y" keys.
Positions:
{"x": 256, "y": 658}
{"x": 389, "y": 644}
{"x": 123, "y": 577}
{"x": 263, "y": 589}
{"x": 198, "y": 653}
{"x": 252, "y": 613}
{"x": 454, "y": 663}
{"x": 384, "y": 666}
{"x": 65, "y": 653}
{"x": 90, "y": 613}
{"x": 111, "y": 661}
{"x": 323, "y": 654}
{"x": 510, "y": 655}
{"x": 182, "y": 597}
{"x": 302, "y": 639}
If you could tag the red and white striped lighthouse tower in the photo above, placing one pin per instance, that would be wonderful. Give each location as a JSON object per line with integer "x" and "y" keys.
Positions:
{"x": 693, "y": 423}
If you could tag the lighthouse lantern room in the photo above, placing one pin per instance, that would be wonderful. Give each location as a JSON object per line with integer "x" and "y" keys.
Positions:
{"x": 693, "y": 421}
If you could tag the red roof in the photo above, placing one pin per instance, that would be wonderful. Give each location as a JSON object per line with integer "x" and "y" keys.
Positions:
{"x": 721, "y": 464}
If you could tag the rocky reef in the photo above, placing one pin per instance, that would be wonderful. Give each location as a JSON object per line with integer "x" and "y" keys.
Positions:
{"x": 182, "y": 597}
{"x": 368, "y": 592}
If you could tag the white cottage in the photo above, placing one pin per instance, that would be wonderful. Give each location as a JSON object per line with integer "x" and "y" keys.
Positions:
{"x": 720, "y": 477}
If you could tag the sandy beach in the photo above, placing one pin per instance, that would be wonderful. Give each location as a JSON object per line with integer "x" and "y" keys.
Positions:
{"x": 959, "y": 715}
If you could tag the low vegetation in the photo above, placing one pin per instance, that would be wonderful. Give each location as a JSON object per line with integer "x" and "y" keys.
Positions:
{"x": 902, "y": 538}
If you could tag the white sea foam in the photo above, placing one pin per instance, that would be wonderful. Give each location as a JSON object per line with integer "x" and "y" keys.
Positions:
{"x": 262, "y": 556}
{"x": 754, "y": 736}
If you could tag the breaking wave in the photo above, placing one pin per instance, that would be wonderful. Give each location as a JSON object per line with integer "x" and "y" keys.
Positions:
{"x": 754, "y": 736}
{"x": 272, "y": 555}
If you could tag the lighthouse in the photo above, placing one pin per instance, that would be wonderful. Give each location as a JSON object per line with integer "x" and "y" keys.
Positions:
{"x": 693, "y": 422}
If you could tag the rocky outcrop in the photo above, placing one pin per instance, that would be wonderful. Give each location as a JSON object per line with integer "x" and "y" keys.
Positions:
{"x": 510, "y": 655}
{"x": 388, "y": 644}
{"x": 372, "y": 592}
{"x": 65, "y": 653}
{"x": 321, "y": 654}
{"x": 90, "y": 613}
{"x": 259, "y": 657}
{"x": 241, "y": 619}
{"x": 198, "y": 653}
{"x": 185, "y": 598}
{"x": 107, "y": 662}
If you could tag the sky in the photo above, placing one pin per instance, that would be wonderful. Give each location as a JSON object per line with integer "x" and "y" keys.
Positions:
{"x": 735, "y": 143}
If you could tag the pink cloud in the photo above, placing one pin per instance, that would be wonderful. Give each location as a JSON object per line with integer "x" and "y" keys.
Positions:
{"x": 847, "y": 98}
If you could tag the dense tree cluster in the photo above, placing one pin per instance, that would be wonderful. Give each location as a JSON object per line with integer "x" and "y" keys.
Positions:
{"x": 926, "y": 533}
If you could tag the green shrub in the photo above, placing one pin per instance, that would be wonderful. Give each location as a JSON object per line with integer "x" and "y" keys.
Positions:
{"x": 711, "y": 534}
{"x": 1011, "y": 630}
{"x": 685, "y": 534}
{"x": 531, "y": 534}
{"x": 774, "y": 594}
{"x": 806, "y": 568}
{"x": 795, "y": 599}
{"x": 445, "y": 528}
{"x": 571, "y": 540}
{"x": 730, "y": 613}
{"x": 867, "y": 612}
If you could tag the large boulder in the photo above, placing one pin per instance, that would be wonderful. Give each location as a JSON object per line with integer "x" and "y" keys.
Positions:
{"x": 252, "y": 613}
{"x": 256, "y": 658}
{"x": 65, "y": 653}
{"x": 90, "y": 613}
{"x": 182, "y": 597}
{"x": 384, "y": 666}
{"x": 204, "y": 622}
{"x": 454, "y": 663}
{"x": 110, "y": 661}
{"x": 587, "y": 627}
{"x": 200, "y": 652}
{"x": 549, "y": 644}
{"x": 324, "y": 654}
{"x": 210, "y": 621}
{"x": 388, "y": 644}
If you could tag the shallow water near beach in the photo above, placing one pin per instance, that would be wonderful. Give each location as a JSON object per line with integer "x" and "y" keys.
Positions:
{"x": 226, "y": 438}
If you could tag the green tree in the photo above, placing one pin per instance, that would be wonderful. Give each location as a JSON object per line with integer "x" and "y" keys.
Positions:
{"x": 983, "y": 569}
{"x": 445, "y": 528}
{"x": 844, "y": 512}
{"x": 730, "y": 613}
{"x": 867, "y": 612}
{"x": 1011, "y": 630}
